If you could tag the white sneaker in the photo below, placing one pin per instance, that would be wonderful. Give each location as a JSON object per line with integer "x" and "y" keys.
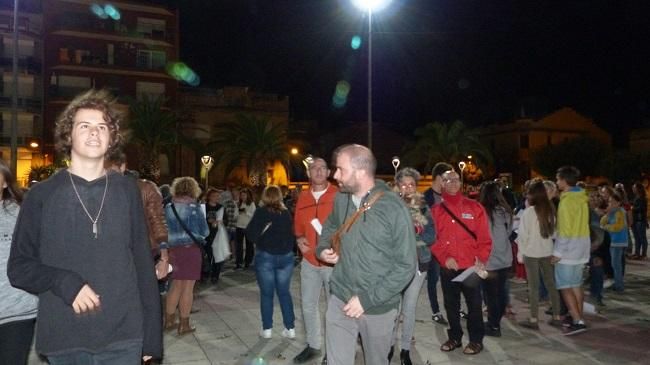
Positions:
{"x": 267, "y": 333}
{"x": 289, "y": 333}
{"x": 608, "y": 283}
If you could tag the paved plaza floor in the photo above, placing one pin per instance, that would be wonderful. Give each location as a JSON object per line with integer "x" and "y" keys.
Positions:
{"x": 228, "y": 324}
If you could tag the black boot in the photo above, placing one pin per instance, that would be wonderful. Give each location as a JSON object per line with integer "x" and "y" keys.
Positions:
{"x": 405, "y": 358}
{"x": 390, "y": 353}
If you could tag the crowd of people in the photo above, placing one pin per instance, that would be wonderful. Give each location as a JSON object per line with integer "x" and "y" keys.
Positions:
{"x": 91, "y": 250}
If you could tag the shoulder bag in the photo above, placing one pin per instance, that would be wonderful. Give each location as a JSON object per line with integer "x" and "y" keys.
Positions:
{"x": 345, "y": 227}
{"x": 462, "y": 224}
{"x": 205, "y": 258}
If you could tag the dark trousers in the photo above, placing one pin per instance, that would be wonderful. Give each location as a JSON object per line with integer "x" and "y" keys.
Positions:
{"x": 471, "y": 290}
{"x": 15, "y": 341}
{"x": 496, "y": 296}
{"x": 120, "y": 354}
{"x": 597, "y": 276}
{"x": 239, "y": 249}
{"x": 432, "y": 282}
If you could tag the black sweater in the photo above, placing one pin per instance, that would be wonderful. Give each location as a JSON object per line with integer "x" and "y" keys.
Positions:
{"x": 278, "y": 238}
{"x": 54, "y": 253}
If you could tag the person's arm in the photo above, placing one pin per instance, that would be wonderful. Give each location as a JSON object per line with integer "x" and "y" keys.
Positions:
{"x": 428, "y": 234}
{"x": 250, "y": 209}
{"x": 145, "y": 273}
{"x": 619, "y": 222}
{"x": 483, "y": 237}
{"x": 401, "y": 261}
{"x": 330, "y": 226}
{"x": 525, "y": 232}
{"x": 254, "y": 228}
{"x": 25, "y": 269}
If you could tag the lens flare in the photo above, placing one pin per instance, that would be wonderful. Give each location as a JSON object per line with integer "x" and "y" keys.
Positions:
{"x": 99, "y": 11}
{"x": 112, "y": 11}
{"x": 258, "y": 361}
{"x": 181, "y": 72}
{"x": 356, "y": 42}
{"x": 342, "y": 88}
{"x": 339, "y": 102}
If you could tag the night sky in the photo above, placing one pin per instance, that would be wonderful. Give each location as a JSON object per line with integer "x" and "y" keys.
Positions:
{"x": 433, "y": 60}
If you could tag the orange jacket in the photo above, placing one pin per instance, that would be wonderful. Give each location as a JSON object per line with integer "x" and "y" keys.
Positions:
{"x": 307, "y": 209}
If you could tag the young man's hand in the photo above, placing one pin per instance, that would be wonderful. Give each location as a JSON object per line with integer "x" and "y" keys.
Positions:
{"x": 86, "y": 300}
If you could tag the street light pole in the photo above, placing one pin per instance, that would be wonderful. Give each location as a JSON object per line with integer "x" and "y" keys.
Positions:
{"x": 370, "y": 6}
{"x": 462, "y": 166}
{"x": 14, "y": 98}
{"x": 370, "y": 78}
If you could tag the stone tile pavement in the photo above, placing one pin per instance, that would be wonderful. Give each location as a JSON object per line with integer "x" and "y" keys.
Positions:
{"x": 228, "y": 323}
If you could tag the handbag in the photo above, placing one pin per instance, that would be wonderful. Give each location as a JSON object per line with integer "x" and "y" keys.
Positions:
{"x": 345, "y": 227}
{"x": 220, "y": 244}
{"x": 205, "y": 259}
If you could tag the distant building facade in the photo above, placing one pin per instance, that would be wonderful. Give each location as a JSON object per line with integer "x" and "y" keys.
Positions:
{"x": 511, "y": 143}
{"x": 69, "y": 46}
{"x": 640, "y": 140}
{"x": 208, "y": 108}
{"x": 30, "y": 85}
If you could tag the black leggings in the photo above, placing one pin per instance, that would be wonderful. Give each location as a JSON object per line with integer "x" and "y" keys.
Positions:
{"x": 15, "y": 341}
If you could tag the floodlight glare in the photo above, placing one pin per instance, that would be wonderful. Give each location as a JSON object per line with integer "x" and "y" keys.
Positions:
{"x": 371, "y": 5}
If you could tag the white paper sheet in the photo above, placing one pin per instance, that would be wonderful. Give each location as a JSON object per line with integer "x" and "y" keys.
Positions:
{"x": 464, "y": 275}
{"x": 317, "y": 226}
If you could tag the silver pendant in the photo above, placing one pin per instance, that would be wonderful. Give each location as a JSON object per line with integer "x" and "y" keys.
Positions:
{"x": 95, "y": 229}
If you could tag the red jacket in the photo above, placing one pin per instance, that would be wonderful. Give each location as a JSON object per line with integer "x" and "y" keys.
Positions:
{"x": 452, "y": 240}
{"x": 307, "y": 209}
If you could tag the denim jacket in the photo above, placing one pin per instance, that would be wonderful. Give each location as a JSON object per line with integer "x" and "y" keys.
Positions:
{"x": 192, "y": 215}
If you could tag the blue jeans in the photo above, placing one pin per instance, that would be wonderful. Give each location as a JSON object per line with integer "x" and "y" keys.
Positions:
{"x": 640, "y": 238}
{"x": 119, "y": 354}
{"x": 597, "y": 277}
{"x": 617, "y": 265}
{"x": 432, "y": 280}
{"x": 274, "y": 276}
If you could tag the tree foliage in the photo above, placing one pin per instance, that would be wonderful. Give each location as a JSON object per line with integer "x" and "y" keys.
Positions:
{"x": 587, "y": 154}
{"x": 251, "y": 141}
{"x": 154, "y": 130}
{"x": 450, "y": 143}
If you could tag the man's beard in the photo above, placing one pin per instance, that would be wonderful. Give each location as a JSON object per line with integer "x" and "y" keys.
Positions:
{"x": 352, "y": 188}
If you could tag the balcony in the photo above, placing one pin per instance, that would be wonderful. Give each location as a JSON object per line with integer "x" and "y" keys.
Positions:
{"x": 82, "y": 25}
{"x": 28, "y": 65}
{"x": 29, "y": 104}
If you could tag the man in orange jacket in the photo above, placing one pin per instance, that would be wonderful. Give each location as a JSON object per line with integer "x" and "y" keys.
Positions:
{"x": 315, "y": 203}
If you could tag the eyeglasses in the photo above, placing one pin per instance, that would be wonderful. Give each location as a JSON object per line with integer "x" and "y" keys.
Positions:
{"x": 449, "y": 181}
{"x": 409, "y": 185}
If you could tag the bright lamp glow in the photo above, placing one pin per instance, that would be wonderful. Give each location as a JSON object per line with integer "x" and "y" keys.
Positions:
{"x": 371, "y": 5}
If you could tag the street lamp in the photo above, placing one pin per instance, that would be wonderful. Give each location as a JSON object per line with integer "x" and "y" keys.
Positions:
{"x": 207, "y": 162}
{"x": 462, "y": 166}
{"x": 395, "y": 163}
{"x": 370, "y": 6}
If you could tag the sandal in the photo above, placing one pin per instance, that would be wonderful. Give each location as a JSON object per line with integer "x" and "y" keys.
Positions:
{"x": 450, "y": 345}
{"x": 473, "y": 348}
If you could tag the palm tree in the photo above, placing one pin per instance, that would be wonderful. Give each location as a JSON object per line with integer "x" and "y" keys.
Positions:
{"x": 450, "y": 143}
{"x": 154, "y": 131}
{"x": 251, "y": 140}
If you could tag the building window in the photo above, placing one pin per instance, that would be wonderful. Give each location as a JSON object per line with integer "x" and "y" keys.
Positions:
{"x": 523, "y": 141}
{"x": 70, "y": 86}
{"x": 151, "y": 59}
{"x": 154, "y": 28}
{"x": 25, "y": 124}
{"x": 25, "y": 85}
{"x": 151, "y": 90}
{"x": 25, "y": 47}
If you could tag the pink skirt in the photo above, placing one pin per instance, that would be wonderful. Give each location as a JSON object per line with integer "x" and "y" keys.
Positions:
{"x": 186, "y": 261}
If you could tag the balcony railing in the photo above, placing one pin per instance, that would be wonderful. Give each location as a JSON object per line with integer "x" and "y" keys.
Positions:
{"x": 87, "y": 24}
{"x": 29, "y": 104}
{"x": 24, "y": 64}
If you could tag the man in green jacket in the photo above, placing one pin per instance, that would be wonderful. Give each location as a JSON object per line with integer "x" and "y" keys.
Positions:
{"x": 374, "y": 262}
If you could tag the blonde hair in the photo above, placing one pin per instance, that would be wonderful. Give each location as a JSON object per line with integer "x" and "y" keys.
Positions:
{"x": 185, "y": 186}
{"x": 272, "y": 199}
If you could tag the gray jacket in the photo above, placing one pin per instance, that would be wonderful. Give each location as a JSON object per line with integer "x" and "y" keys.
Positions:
{"x": 15, "y": 304}
{"x": 500, "y": 229}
